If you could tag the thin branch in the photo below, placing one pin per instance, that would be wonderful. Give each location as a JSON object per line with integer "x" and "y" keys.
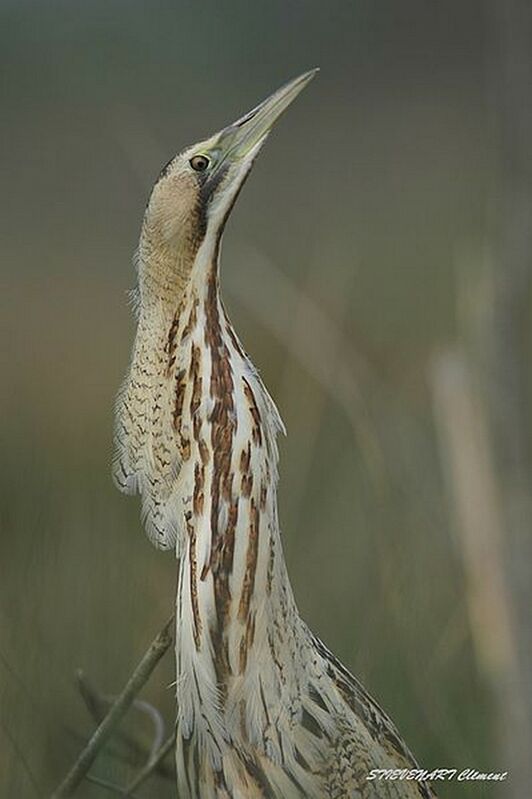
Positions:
{"x": 123, "y": 701}
{"x": 98, "y": 706}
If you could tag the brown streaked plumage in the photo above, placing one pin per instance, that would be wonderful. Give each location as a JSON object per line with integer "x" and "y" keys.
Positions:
{"x": 264, "y": 711}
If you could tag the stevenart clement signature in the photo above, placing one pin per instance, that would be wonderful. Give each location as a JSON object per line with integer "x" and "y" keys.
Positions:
{"x": 437, "y": 774}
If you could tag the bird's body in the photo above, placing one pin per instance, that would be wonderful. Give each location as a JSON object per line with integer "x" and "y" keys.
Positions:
{"x": 264, "y": 710}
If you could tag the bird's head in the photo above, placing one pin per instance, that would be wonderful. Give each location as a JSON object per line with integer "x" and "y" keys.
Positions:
{"x": 195, "y": 192}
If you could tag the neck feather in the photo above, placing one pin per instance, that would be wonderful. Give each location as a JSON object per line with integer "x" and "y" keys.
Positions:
{"x": 235, "y": 606}
{"x": 196, "y": 436}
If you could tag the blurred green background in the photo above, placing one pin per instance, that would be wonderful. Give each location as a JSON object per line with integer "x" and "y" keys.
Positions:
{"x": 339, "y": 271}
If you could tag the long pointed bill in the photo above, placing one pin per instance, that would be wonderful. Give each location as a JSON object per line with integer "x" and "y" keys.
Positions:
{"x": 237, "y": 140}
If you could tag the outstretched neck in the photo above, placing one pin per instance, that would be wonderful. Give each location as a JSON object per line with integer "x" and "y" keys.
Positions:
{"x": 196, "y": 436}
{"x": 235, "y": 609}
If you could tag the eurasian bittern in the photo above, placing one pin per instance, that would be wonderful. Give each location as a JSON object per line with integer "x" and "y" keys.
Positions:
{"x": 263, "y": 708}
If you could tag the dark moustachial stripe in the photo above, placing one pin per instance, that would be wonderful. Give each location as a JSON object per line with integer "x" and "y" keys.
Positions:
{"x": 207, "y": 183}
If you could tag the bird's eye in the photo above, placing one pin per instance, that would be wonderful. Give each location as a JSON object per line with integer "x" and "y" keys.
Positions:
{"x": 199, "y": 163}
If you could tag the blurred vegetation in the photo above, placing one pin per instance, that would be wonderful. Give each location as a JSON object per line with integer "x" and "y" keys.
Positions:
{"x": 364, "y": 200}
